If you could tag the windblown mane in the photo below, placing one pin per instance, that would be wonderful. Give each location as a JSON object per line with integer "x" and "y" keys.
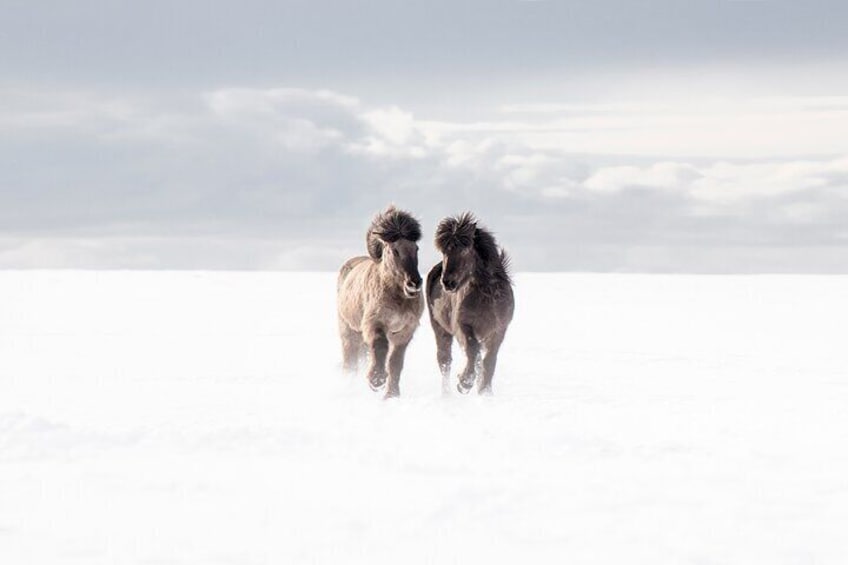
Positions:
{"x": 463, "y": 231}
{"x": 454, "y": 232}
{"x": 391, "y": 225}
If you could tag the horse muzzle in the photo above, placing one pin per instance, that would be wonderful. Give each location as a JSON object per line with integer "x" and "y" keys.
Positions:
{"x": 411, "y": 290}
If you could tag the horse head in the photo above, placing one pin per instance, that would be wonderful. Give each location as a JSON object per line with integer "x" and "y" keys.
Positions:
{"x": 392, "y": 241}
{"x": 455, "y": 239}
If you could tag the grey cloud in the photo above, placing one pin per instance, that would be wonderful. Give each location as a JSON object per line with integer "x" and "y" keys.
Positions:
{"x": 337, "y": 43}
{"x": 288, "y": 178}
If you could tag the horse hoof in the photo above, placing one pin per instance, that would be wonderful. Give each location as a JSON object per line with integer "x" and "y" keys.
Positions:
{"x": 462, "y": 388}
{"x": 376, "y": 384}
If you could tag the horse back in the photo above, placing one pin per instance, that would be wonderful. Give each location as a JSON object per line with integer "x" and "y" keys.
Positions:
{"x": 348, "y": 267}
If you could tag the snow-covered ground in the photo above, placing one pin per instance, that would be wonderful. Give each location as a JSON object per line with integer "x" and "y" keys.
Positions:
{"x": 201, "y": 418}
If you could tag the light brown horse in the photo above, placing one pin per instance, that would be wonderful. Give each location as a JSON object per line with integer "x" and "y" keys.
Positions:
{"x": 380, "y": 300}
{"x": 469, "y": 295}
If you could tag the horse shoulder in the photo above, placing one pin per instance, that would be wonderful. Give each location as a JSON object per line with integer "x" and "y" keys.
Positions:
{"x": 376, "y": 301}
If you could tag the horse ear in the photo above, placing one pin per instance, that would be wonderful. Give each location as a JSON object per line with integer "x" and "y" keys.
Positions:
{"x": 375, "y": 245}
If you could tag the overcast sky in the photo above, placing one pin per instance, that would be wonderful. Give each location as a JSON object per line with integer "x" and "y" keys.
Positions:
{"x": 697, "y": 136}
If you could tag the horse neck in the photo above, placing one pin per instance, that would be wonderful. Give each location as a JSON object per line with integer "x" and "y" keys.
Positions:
{"x": 485, "y": 275}
{"x": 388, "y": 277}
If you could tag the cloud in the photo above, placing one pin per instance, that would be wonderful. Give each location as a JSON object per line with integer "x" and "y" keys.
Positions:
{"x": 288, "y": 177}
{"x": 723, "y": 182}
{"x": 662, "y": 176}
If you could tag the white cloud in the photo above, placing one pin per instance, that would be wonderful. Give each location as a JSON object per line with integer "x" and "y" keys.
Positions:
{"x": 688, "y": 126}
{"x": 663, "y": 175}
{"x": 722, "y": 182}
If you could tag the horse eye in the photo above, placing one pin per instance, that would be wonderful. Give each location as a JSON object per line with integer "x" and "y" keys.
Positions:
{"x": 395, "y": 251}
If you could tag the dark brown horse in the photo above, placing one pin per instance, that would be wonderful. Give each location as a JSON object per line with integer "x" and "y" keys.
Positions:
{"x": 379, "y": 299}
{"x": 469, "y": 296}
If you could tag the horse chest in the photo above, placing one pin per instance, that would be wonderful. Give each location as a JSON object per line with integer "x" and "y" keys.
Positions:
{"x": 440, "y": 309}
{"x": 447, "y": 311}
{"x": 401, "y": 323}
{"x": 397, "y": 322}
{"x": 471, "y": 309}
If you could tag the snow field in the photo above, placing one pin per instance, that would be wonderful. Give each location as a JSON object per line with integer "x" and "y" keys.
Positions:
{"x": 173, "y": 417}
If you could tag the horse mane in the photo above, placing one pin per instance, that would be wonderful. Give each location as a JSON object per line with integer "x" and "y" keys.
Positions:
{"x": 463, "y": 231}
{"x": 454, "y": 232}
{"x": 389, "y": 226}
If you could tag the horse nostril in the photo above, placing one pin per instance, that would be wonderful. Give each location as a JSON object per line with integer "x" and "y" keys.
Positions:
{"x": 448, "y": 284}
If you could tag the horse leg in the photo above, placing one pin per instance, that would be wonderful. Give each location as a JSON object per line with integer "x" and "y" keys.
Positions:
{"x": 352, "y": 345}
{"x": 444, "y": 342}
{"x": 489, "y": 362}
{"x": 472, "y": 352}
{"x": 397, "y": 351}
{"x": 379, "y": 347}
